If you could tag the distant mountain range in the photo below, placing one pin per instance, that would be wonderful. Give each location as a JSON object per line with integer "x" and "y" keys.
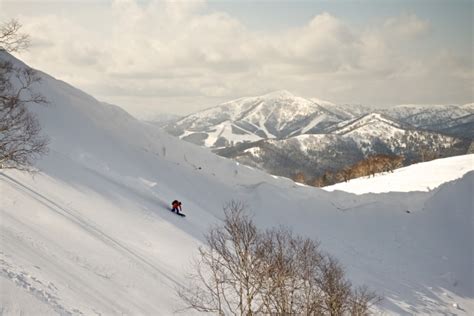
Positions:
{"x": 285, "y": 134}
{"x": 276, "y": 115}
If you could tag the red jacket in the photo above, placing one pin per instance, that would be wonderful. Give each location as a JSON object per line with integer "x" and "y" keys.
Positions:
{"x": 176, "y": 204}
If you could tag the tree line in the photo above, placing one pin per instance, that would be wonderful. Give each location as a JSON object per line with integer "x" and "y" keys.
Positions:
{"x": 366, "y": 167}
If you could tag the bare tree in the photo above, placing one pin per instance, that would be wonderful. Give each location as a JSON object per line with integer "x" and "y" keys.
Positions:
{"x": 361, "y": 301}
{"x": 299, "y": 177}
{"x": 346, "y": 174}
{"x": 20, "y": 140}
{"x": 11, "y": 40}
{"x": 246, "y": 271}
{"x": 396, "y": 162}
{"x": 292, "y": 286}
{"x": 281, "y": 289}
{"x": 231, "y": 270}
{"x": 336, "y": 290}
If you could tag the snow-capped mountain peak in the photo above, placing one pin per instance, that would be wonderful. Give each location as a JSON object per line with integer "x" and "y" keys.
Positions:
{"x": 277, "y": 114}
{"x": 278, "y": 94}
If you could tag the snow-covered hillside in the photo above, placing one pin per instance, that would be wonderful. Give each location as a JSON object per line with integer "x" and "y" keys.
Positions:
{"x": 376, "y": 128}
{"x": 346, "y": 144}
{"x": 455, "y": 120}
{"x": 428, "y": 116}
{"x": 424, "y": 176}
{"x": 373, "y": 123}
{"x": 91, "y": 232}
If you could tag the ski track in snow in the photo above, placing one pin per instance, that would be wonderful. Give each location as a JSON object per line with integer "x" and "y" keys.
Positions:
{"x": 74, "y": 217}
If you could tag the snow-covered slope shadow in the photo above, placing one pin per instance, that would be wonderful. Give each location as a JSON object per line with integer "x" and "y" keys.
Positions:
{"x": 91, "y": 231}
{"x": 434, "y": 239}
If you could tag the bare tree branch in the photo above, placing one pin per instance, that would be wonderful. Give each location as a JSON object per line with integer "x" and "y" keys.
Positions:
{"x": 245, "y": 271}
{"x": 11, "y": 40}
{"x": 21, "y": 142}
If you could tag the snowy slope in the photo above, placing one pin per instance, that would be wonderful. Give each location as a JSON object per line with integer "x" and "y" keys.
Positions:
{"x": 424, "y": 176}
{"x": 372, "y": 122}
{"x": 426, "y": 116}
{"x": 376, "y": 128}
{"x": 90, "y": 233}
{"x": 455, "y": 120}
{"x": 348, "y": 111}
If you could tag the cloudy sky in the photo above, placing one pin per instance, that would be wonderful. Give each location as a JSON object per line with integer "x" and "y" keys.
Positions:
{"x": 178, "y": 57}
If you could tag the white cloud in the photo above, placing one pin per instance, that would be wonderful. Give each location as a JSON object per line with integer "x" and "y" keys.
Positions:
{"x": 168, "y": 53}
{"x": 406, "y": 26}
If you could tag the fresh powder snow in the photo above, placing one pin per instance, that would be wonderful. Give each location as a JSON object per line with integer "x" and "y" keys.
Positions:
{"x": 91, "y": 231}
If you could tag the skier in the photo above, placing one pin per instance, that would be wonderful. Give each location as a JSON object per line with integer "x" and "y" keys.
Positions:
{"x": 176, "y": 206}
